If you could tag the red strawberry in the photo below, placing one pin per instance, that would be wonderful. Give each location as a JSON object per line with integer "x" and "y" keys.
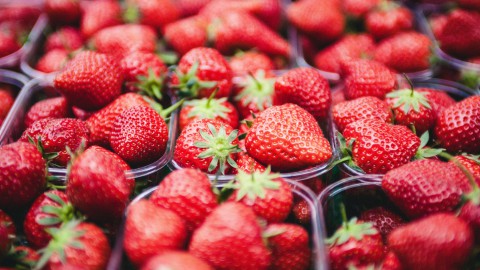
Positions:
{"x": 191, "y": 7}
{"x": 208, "y": 108}
{"x": 187, "y": 34}
{"x": 56, "y": 135}
{"x": 379, "y": 147}
{"x": 77, "y": 245}
{"x": 437, "y": 23}
{"x": 149, "y": 230}
{"x": 67, "y": 38}
{"x": 247, "y": 164}
{"x": 98, "y": 15}
{"x": 81, "y": 114}
{"x": 188, "y": 193}
{"x": 367, "y": 78}
{"x": 6, "y": 102}
{"x": 356, "y": 243}
{"x": 238, "y": 239}
{"x": 391, "y": 262}
{"x": 472, "y": 164}
{"x": 349, "y": 47}
{"x": 63, "y": 12}
{"x": 465, "y": 22}
{"x": 250, "y": 62}
{"x": 90, "y": 80}
{"x": 439, "y": 100}
{"x": 267, "y": 194}
{"x": 429, "y": 191}
{"x": 47, "y": 108}
{"x": 382, "y": 219}
{"x": 175, "y": 260}
{"x": 388, "y": 19}
{"x": 470, "y": 213}
{"x": 289, "y": 245}
{"x": 358, "y": 8}
{"x": 469, "y": 4}
{"x": 23, "y": 256}
{"x": 52, "y": 61}
{"x": 97, "y": 185}
{"x": 7, "y": 234}
{"x": 8, "y": 44}
{"x": 22, "y": 175}
{"x": 302, "y": 212}
{"x": 255, "y": 93}
{"x": 7, "y": 223}
{"x": 155, "y": 13}
{"x": 405, "y": 52}
{"x": 306, "y": 88}
{"x": 200, "y": 72}
{"x": 288, "y": 138}
{"x": 112, "y": 155}
{"x": 457, "y": 127}
{"x": 207, "y": 145}
{"x": 347, "y": 112}
{"x": 440, "y": 241}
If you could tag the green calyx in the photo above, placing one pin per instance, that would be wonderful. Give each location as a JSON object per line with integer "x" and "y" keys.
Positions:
{"x": 254, "y": 185}
{"x": 131, "y": 14}
{"x": 189, "y": 84}
{"x": 257, "y": 89}
{"x": 208, "y": 108}
{"x": 346, "y": 151}
{"x": 426, "y": 152}
{"x": 151, "y": 85}
{"x": 219, "y": 146}
{"x": 409, "y": 98}
{"x": 351, "y": 229}
{"x": 65, "y": 212}
{"x": 48, "y": 157}
{"x": 470, "y": 78}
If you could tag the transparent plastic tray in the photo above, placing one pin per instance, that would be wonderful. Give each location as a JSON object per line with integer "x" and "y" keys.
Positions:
{"x": 28, "y": 97}
{"x": 118, "y": 259}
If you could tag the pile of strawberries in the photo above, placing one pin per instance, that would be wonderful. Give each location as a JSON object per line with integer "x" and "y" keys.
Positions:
{"x": 15, "y": 25}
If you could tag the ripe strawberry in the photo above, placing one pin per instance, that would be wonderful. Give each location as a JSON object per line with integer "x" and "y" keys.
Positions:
{"x": 186, "y": 34}
{"x": 8, "y": 44}
{"x": 440, "y": 241}
{"x": 465, "y": 22}
{"x": 208, "y": 108}
{"x": 48, "y": 108}
{"x": 302, "y": 212}
{"x": 457, "y": 127}
{"x": 391, "y": 262}
{"x": 98, "y": 15}
{"x": 150, "y": 230}
{"x": 429, "y": 191}
{"x": 288, "y": 138}
{"x": 470, "y": 213}
{"x": 356, "y": 243}
{"x": 230, "y": 33}
{"x": 306, "y": 88}
{"x": 247, "y": 164}
{"x": 267, "y": 194}
{"x": 6, "y": 102}
{"x": 250, "y": 62}
{"x": 200, "y": 72}
{"x": 7, "y": 233}
{"x": 52, "y": 61}
{"x": 97, "y": 185}
{"x": 68, "y": 39}
{"x": 321, "y": 20}
{"x": 76, "y": 244}
{"x": 22, "y": 256}
{"x": 289, "y": 245}
{"x": 382, "y": 219}
{"x": 113, "y": 156}
{"x": 90, "y": 80}
{"x": 6, "y": 222}
{"x": 22, "y": 175}
{"x": 439, "y": 100}
{"x": 472, "y": 164}
{"x": 437, "y": 23}
{"x": 191, "y": 7}
{"x": 367, "y": 78}
{"x": 188, "y": 193}
{"x": 63, "y": 12}
{"x": 358, "y": 8}
{"x": 349, "y": 47}
{"x": 238, "y": 240}
{"x": 154, "y": 13}
{"x": 207, "y": 145}
{"x": 405, "y": 52}
{"x": 175, "y": 260}
{"x": 255, "y": 93}
{"x": 347, "y": 112}
{"x": 388, "y": 19}
{"x": 56, "y": 135}
{"x": 379, "y": 147}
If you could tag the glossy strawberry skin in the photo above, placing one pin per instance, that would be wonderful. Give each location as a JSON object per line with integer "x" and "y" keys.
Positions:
{"x": 68, "y": 39}
{"x": 384, "y": 23}
{"x": 191, "y": 7}
{"x": 439, "y": 100}
{"x": 461, "y": 21}
{"x": 176, "y": 260}
{"x": 7, "y": 222}
{"x": 52, "y": 61}
{"x": 247, "y": 164}
{"x": 417, "y": 190}
{"x": 231, "y": 117}
{"x": 63, "y": 12}
{"x": 358, "y": 8}
{"x": 281, "y": 134}
{"x": 8, "y": 44}
{"x": 186, "y": 34}
{"x": 140, "y": 63}
{"x": 156, "y": 13}
{"x": 22, "y": 175}
{"x": 457, "y": 127}
{"x": 98, "y": 15}
{"x": 440, "y": 241}
{"x": 6, "y": 102}
{"x": 48, "y": 108}
{"x": 384, "y": 220}
{"x": 250, "y": 62}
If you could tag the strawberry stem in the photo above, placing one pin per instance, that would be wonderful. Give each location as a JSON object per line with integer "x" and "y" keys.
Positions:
{"x": 212, "y": 96}
{"x": 343, "y": 213}
{"x": 465, "y": 171}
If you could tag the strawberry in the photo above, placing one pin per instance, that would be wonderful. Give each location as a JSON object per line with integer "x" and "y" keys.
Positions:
{"x": 47, "y": 108}
{"x": 229, "y": 33}
{"x": 470, "y": 213}
{"x": 469, "y": 4}
{"x": 49, "y": 210}
{"x": 191, "y": 7}
{"x": 378, "y": 147}
{"x": 429, "y": 191}
{"x": 175, "y": 260}
{"x": 113, "y": 156}
{"x": 288, "y": 138}
{"x": 391, "y": 262}
{"x": 56, "y": 135}
{"x": 289, "y": 245}
{"x": 52, "y": 61}
{"x": 355, "y": 243}
{"x": 405, "y": 52}
{"x": 67, "y": 38}
{"x": 98, "y": 15}
{"x": 6, "y": 223}
{"x": 63, "y": 12}
{"x": 200, "y": 72}
{"x": 347, "y": 112}
{"x": 358, "y": 8}
{"x": 255, "y": 93}
{"x": 440, "y": 241}
{"x": 472, "y": 164}
{"x": 23, "y": 175}
{"x": 384, "y": 220}
{"x": 457, "y": 127}
{"x": 367, "y": 78}
{"x": 7, "y": 234}
{"x": 22, "y": 257}
{"x": 97, "y": 185}
{"x": 306, "y": 88}
{"x": 149, "y": 230}
{"x": 351, "y": 46}
{"x": 207, "y": 145}
{"x": 247, "y": 164}
{"x": 465, "y": 22}
{"x": 267, "y": 194}
{"x": 90, "y": 80}
{"x": 251, "y": 62}
{"x": 6, "y": 102}
{"x": 238, "y": 239}
{"x": 302, "y": 212}
{"x": 81, "y": 114}
{"x": 76, "y": 244}
{"x": 388, "y": 19}
{"x": 321, "y": 20}
{"x": 188, "y": 193}
{"x": 8, "y": 44}
{"x": 439, "y": 100}
{"x": 186, "y": 34}
{"x": 154, "y": 13}
{"x": 437, "y": 23}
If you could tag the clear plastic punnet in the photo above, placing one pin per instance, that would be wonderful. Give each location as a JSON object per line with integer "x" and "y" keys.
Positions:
{"x": 118, "y": 259}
